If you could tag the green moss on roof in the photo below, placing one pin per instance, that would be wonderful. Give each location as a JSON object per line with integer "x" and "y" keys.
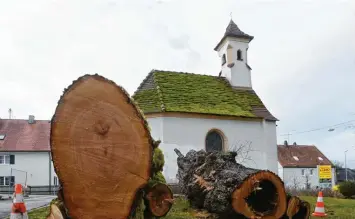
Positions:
{"x": 148, "y": 100}
{"x": 193, "y": 93}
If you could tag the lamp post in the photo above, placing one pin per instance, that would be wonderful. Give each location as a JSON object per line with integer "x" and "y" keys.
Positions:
{"x": 346, "y": 170}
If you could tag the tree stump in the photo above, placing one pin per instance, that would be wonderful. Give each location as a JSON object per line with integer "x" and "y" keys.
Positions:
{"x": 101, "y": 149}
{"x": 216, "y": 182}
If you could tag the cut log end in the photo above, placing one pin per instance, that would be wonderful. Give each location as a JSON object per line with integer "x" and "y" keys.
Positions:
{"x": 262, "y": 194}
{"x": 55, "y": 212}
{"x": 160, "y": 199}
{"x": 293, "y": 206}
{"x": 304, "y": 211}
{"x": 99, "y": 139}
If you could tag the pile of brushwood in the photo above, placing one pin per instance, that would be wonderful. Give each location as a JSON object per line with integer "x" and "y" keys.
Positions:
{"x": 103, "y": 154}
{"x": 214, "y": 181}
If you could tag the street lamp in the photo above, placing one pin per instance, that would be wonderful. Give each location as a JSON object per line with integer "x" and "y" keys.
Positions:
{"x": 346, "y": 171}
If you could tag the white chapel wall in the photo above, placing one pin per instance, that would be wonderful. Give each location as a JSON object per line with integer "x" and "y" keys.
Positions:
{"x": 258, "y": 138}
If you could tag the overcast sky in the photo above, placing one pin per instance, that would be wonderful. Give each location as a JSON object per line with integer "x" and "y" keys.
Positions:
{"x": 303, "y": 55}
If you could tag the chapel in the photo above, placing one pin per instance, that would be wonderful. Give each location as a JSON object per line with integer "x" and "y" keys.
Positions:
{"x": 219, "y": 112}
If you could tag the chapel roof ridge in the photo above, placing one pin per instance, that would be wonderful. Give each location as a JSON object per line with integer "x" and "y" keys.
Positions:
{"x": 180, "y": 72}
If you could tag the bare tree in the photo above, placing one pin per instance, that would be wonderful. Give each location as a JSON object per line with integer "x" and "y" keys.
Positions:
{"x": 243, "y": 149}
{"x": 307, "y": 181}
{"x": 337, "y": 164}
{"x": 295, "y": 183}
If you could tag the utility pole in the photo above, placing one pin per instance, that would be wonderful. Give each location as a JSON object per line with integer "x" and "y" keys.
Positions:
{"x": 288, "y": 136}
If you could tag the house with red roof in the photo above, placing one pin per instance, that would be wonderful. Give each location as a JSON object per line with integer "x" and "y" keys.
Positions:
{"x": 298, "y": 166}
{"x": 25, "y": 153}
{"x": 214, "y": 112}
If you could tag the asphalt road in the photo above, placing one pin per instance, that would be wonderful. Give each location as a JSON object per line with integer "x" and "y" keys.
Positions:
{"x": 31, "y": 202}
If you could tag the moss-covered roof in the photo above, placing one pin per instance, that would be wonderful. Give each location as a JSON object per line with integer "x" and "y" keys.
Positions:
{"x": 165, "y": 91}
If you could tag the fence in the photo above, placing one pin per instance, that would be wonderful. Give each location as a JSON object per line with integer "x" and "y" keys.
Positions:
{"x": 32, "y": 190}
{"x": 52, "y": 190}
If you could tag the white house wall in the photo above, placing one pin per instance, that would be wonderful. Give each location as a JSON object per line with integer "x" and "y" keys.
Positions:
{"x": 280, "y": 170}
{"x": 156, "y": 128}
{"x": 293, "y": 177}
{"x": 35, "y": 164}
{"x": 257, "y": 139}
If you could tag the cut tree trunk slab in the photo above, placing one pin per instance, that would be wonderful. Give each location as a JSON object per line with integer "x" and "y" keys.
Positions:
{"x": 55, "y": 212}
{"x": 304, "y": 211}
{"x": 160, "y": 199}
{"x": 216, "y": 182}
{"x": 293, "y": 206}
{"x": 101, "y": 149}
{"x": 260, "y": 194}
{"x": 296, "y": 208}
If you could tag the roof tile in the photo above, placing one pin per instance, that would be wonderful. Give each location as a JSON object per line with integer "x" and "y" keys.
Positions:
{"x": 22, "y": 136}
{"x": 166, "y": 91}
{"x": 307, "y": 156}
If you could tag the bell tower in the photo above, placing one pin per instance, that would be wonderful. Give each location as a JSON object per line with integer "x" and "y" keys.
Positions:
{"x": 233, "y": 52}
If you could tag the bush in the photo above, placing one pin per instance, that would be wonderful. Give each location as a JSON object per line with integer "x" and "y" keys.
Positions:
{"x": 157, "y": 167}
{"x": 158, "y": 160}
{"x": 347, "y": 189}
{"x": 314, "y": 192}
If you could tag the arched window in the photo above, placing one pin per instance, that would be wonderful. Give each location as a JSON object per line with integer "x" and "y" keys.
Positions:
{"x": 239, "y": 55}
{"x": 214, "y": 141}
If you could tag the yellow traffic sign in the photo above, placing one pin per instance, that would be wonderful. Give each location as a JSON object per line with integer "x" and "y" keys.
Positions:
{"x": 325, "y": 171}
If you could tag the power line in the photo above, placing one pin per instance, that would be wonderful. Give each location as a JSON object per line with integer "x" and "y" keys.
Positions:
{"x": 321, "y": 128}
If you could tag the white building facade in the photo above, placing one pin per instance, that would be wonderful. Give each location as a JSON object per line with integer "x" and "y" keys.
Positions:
{"x": 28, "y": 168}
{"x": 25, "y": 156}
{"x": 298, "y": 166}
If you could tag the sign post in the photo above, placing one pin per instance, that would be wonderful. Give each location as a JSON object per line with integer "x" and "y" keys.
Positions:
{"x": 325, "y": 176}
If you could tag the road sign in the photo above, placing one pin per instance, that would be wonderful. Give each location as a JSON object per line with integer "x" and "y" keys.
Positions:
{"x": 325, "y": 171}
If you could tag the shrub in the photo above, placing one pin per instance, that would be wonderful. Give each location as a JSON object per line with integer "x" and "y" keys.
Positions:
{"x": 158, "y": 160}
{"x": 347, "y": 189}
{"x": 157, "y": 167}
{"x": 314, "y": 192}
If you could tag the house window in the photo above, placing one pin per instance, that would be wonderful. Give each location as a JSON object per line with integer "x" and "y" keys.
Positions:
{"x": 303, "y": 172}
{"x": 224, "y": 59}
{"x": 311, "y": 172}
{"x": 7, "y": 180}
{"x": 214, "y": 141}
{"x": 7, "y": 159}
{"x": 239, "y": 55}
{"x": 2, "y": 137}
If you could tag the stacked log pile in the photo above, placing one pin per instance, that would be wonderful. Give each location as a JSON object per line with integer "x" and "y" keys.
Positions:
{"x": 214, "y": 181}
{"x": 102, "y": 153}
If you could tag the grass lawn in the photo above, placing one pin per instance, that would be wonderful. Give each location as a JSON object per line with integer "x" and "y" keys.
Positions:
{"x": 335, "y": 208}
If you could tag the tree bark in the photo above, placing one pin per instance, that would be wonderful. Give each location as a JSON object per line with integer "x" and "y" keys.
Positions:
{"x": 216, "y": 182}
{"x": 101, "y": 149}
